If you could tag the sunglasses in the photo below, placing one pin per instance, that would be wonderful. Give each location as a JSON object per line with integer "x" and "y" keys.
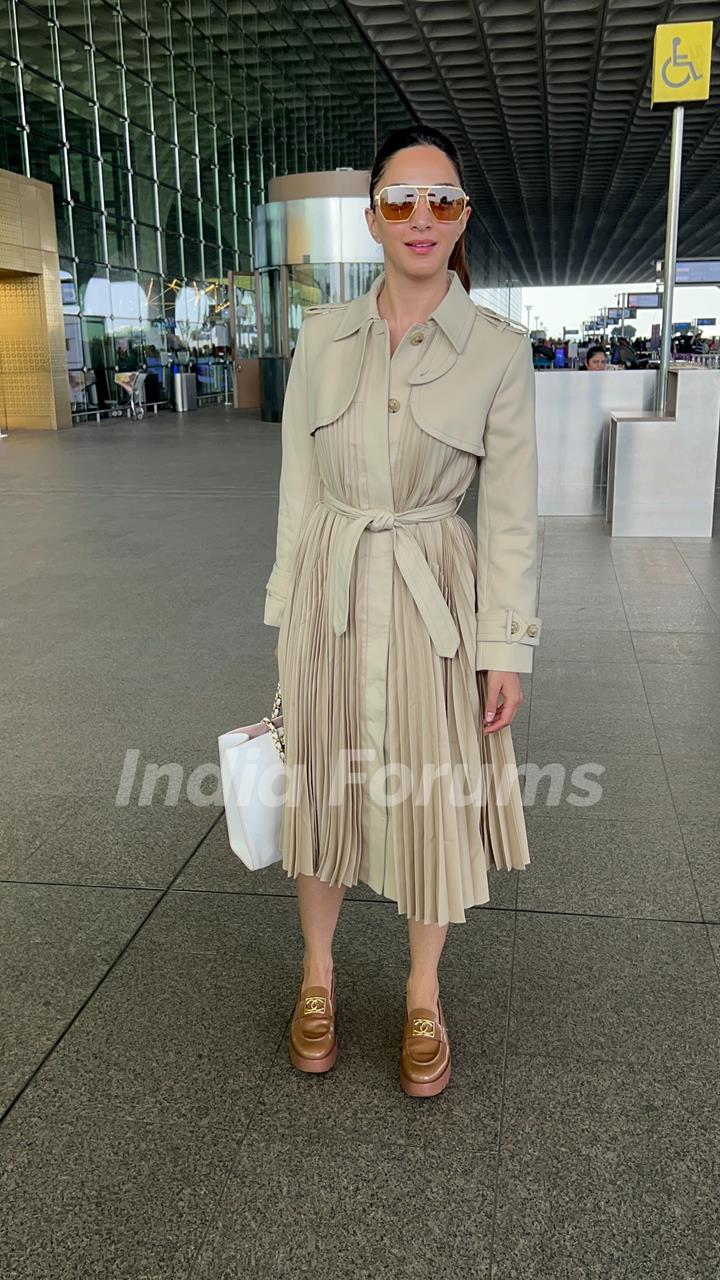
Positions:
{"x": 399, "y": 202}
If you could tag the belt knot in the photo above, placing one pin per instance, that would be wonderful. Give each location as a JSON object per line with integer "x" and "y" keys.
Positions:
{"x": 382, "y": 519}
{"x": 408, "y": 556}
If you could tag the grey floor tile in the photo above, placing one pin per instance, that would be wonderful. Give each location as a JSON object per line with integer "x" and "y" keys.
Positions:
{"x": 674, "y": 689}
{"x": 584, "y": 616}
{"x": 340, "y": 1209}
{"x": 677, "y": 647}
{"x": 705, "y": 571}
{"x": 103, "y": 1196}
{"x": 606, "y": 1171}
{"x": 588, "y": 683}
{"x": 702, "y": 841}
{"x": 186, "y": 1039}
{"x": 605, "y": 866}
{"x": 56, "y": 944}
{"x": 696, "y": 736}
{"x": 587, "y": 988}
{"x": 240, "y": 929}
{"x": 135, "y": 844}
{"x": 27, "y": 822}
{"x": 597, "y": 728}
{"x": 577, "y": 591}
{"x": 577, "y": 644}
{"x": 670, "y": 571}
{"x": 670, "y": 613}
{"x": 714, "y": 935}
{"x": 572, "y": 786}
{"x": 692, "y": 776}
{"x": 574, "y": 573}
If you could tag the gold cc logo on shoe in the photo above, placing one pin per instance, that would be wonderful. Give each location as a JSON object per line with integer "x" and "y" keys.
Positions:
{"x": 423, "y": 1027}
{"x": 314, "y": 1004}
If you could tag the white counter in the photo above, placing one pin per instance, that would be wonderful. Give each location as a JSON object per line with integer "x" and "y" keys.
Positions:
{"x": 573, "y": 409}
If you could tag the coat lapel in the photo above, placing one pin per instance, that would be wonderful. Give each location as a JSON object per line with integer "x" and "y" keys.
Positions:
{"x": 454, "y": 316}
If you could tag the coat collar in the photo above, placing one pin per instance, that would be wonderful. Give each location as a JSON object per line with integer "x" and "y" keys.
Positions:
{"x": 455, "y": 314}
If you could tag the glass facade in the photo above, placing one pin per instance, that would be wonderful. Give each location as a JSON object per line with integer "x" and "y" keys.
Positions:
{"x": 158, "y": 125}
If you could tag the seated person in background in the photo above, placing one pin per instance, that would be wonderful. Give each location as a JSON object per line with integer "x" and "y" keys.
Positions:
{"x": 595, "y": 359}
{"x": 544, "y": 350}
{"x": 624, "y": 355}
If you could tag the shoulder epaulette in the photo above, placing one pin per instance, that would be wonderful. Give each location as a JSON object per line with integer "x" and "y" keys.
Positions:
{"x": 501, "y": 322}
{"x": 324, "y": 306}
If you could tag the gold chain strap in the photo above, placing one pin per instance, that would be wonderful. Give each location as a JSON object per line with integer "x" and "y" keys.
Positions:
{"x": 277, "y": 733}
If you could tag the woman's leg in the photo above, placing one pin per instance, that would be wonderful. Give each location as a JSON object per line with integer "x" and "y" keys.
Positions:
{"x": 319, "y": 905}
{"x": 426, "y": 944}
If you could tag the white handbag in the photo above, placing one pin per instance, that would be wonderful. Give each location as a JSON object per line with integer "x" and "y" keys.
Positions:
{"x": 252, "y": 770}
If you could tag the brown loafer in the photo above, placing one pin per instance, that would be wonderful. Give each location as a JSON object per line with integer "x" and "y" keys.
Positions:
{"x": 313, "y": 1039}
{"x": 425, "y": 1058}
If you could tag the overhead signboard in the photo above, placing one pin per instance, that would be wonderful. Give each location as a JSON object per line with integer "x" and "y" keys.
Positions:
{"x": 706, "y": 324}
{"x": 697, "y": 271}
{"x": 642, "y": 300}
{"x": 621, "y": 313}
{"x": 682, "y": 53}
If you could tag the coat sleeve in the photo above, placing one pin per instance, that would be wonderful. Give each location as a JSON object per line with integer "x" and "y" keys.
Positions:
{"x": 299, "y": 481}
{"x": 507, "y": 628}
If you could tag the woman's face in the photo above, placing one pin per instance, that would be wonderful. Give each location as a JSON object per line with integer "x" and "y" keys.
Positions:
{"x": 597, "y": 361}
{"x": 424, "y": 166}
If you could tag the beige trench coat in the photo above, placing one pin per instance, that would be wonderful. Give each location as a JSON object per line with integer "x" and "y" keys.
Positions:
{"x": 389, "y": 610}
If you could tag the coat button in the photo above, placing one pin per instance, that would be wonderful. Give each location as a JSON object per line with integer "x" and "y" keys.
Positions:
{"x": 417, "y": 337}
{"x": 393, "y": 405}
{"x": 514, "y": 626}
{"x": 532, "y": 629}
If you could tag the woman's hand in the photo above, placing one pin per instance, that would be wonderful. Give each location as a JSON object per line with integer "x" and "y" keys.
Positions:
{"x": 506, "y": 683}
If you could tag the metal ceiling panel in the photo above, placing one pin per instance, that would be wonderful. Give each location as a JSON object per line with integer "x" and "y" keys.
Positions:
{"x": 548, "y": 102}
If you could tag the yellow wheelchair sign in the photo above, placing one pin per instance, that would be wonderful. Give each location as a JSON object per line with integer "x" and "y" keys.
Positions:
{"x": 681, "y": 62}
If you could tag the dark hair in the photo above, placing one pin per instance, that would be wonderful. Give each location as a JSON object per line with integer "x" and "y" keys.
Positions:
{"x": 593, "y": 351}
{"x": 417, "y": 135}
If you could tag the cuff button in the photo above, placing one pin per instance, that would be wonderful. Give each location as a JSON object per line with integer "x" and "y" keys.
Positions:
{"x": 514, "y": 626}
{"x": 532, "y": 629}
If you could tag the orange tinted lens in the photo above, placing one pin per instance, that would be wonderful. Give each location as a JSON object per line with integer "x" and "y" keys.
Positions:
{"x": 447, "y": 203}
{"x": 397, "y": 203}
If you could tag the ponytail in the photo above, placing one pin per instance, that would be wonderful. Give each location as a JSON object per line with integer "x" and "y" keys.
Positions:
{"x": 458, "y": 262}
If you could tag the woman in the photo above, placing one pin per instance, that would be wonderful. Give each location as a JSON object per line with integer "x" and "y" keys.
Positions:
{"x": 596, "y": 359}
{"x": 398, "y": 631}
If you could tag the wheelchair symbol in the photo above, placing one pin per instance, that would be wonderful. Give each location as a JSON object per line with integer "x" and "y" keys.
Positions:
{"x": 678, "y": 59}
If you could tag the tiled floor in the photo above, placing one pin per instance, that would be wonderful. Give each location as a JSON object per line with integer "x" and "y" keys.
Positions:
{"x": 152, "y": 1126}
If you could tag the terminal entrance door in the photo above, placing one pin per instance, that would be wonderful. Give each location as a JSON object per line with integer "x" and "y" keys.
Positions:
{"x": 26, "y": 386}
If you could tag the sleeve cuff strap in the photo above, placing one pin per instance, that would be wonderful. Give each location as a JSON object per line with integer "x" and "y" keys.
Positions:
{"x": 509, "y": 626}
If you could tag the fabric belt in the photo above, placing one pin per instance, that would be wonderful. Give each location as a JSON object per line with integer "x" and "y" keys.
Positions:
{"x": 409, "y": 558}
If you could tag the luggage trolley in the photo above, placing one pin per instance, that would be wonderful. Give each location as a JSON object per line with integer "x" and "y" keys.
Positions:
{"x": 133, "y": 384}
